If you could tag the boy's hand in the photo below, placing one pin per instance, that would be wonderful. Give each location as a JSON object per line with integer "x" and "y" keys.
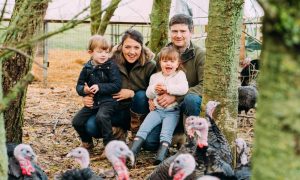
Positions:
{"x": 94, "y": 88}
{"x": 86, "y": 89}
{"x": 160, "y": 89}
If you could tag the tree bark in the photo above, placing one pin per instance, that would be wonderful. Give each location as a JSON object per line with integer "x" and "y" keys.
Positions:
{"x": 221, "y": 64}
{"x": 159, "y": 24}
{"x": 3, "y": 157}
{"x": 25, "y": 24}
{"x": 277, "y": 129}
{"x": 96, "y": 14}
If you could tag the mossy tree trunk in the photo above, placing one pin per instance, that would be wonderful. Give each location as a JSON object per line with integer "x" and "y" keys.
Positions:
{"x": 221, "y": 64}
{"x": 277, "y": 129}
{"x": 159, "y": 24}
{"x": 25, "y": 24}
{"x": 3, "y": 157}
{"x": 99, "y": 22}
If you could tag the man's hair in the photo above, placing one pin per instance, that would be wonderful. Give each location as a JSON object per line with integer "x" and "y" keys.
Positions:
{"x": 97, "y": 41}
{"x": 182, "y": 19}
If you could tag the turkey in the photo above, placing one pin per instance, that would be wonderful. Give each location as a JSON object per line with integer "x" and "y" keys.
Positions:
{"x": 81, "y": 155}
{"x": 247, "y": 98}
{"x": 249, "y": 72}
{"x": 22, "y": 163}
{"x": 116, "y": 152}
{"x": 218, "y": 148}
{"x": 242, "y": 172}
{"x": 182, "y": 166}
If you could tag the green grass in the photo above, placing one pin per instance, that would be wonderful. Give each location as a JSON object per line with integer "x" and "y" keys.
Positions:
{"x": 73, "y": 39}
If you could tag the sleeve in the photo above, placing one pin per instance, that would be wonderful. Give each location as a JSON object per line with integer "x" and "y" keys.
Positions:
{"x": 80, "y": 82}
{"x": 179, "y": 86}
{"x": 115, "y": 83}
{"x": 200, "y": 60}
{"x": 150, "y": 92}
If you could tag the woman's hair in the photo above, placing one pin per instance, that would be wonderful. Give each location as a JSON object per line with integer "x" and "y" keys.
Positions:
{"x": 97, "y": 41}
{"x": 138, "y": 37}
{"x": 169, "y": 53}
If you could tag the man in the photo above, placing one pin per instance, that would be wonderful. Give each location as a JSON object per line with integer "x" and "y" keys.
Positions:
{"x": 181, "y": 30}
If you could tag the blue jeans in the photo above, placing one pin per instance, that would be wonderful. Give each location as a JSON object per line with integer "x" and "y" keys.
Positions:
{"x": 168, "y": 119}
{"x": 121, "y": 117}
{"x": 190, "y": 105}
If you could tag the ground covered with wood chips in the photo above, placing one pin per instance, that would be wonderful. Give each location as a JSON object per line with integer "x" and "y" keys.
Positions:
{"x": 50, "y": 108}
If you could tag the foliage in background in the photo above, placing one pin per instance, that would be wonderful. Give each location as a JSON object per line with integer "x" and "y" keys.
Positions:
{"x": 277, "y": 129}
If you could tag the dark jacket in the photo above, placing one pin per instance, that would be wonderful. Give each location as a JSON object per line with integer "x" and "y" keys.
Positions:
{"x": 193, "y": 62}
{"x": 106, "y": 76}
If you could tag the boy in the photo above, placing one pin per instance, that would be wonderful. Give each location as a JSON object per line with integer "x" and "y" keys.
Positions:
{"x": 99, "y": 78}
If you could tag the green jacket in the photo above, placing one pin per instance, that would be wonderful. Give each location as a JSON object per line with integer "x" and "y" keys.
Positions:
{"x": 193, "y": 62}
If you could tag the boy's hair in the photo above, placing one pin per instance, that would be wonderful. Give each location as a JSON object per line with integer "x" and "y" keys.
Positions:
{"x": 138, "y": 37}
{"x": 169, "y": 53}
{"x": 182, "y": 19}
{"x": 97, "y": 41}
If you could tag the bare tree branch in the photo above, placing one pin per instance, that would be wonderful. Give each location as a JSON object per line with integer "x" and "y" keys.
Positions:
{"x": 23, "y": 54}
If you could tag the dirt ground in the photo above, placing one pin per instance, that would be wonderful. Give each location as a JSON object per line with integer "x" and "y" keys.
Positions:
{"x": 50, "y": 109}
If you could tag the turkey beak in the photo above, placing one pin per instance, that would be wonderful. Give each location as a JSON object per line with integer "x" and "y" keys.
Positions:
{"x": 33, "y": 158}
{"x": 131, "y": 157}
{"x": 70, "y": 154}
{"x": 171, "y": 169}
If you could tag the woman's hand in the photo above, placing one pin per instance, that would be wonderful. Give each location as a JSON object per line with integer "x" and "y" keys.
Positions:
{"x": 165, "y": 100}
{"x": 123, "y": 94}
{"x": 151, "y": 105}
{"x": 88, "y": 101}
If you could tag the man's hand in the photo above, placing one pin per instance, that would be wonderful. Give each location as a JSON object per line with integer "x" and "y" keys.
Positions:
{"x": 88, "y": 101}
{"x": 123, "y": 94}
{"x": 160, "y": 89}
{"x": 151, "y": 105}
{"x": 165, "y": 100}
{"x": 94, "y": 88}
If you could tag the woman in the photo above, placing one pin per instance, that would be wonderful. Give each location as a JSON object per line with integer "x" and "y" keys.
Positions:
{"x": 136, "y": 65}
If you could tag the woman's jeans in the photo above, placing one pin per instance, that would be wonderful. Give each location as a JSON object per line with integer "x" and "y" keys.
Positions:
{"x": 190, "y": 106}
{"x": 121, "y": 118}
{"x": 168, "y": 119}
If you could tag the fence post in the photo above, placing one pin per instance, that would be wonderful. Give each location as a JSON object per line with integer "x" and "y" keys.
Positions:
{"x": 45, "y": 55}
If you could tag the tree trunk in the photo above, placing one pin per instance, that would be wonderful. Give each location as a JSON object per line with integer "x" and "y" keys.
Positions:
{"x": 26, "y": 22}
{"x": 159, "y": 24}
{"x": 3, "y": 157}
{"x": 99, "y": 23}
{"x": 96, "y": 14}
{"x": 277, "y": 129}
{"x": 221, "y": 64}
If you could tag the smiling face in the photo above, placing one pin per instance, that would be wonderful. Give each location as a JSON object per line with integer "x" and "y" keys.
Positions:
{"x": 169, "y": 60}
{"x": 180, "y": 35}
{"x": 99, "y": 56}
{"x": 169, "y": 66}
{"x": 131, "y": 50}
